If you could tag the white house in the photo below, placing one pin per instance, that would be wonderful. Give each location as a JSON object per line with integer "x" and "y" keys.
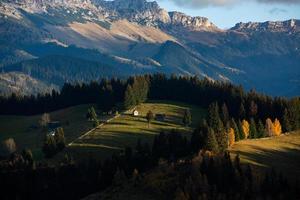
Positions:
{"x": 135, "y": 113}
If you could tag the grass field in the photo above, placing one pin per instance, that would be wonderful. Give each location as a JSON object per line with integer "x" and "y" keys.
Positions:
{"x": 21, "y": 128}
{"x": 281, "y": 153}
{"x": 127, "y": 129}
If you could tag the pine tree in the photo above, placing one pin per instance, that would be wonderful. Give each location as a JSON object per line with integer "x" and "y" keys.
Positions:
{"x": 198, "y": 136}
{"x": 221, "y": 136}
{"x": 217, "y": 125}
{"x": 241, "y": 133}
{"x": 187, "y": 118}
{"x": 287, "y": 127}
{"x": 245, "y": 128}
{"x": 211, "y": 143}
{"x": 236, "y": 129}
{"x": 94, "y": 116}
{"x": 242, "y": 112}
{"x": 253, "y": 130}
{"x": 261, "y": 131}
{"x": 225, "y": 114}
{"x": 253, "y": 109}
{"x": 213, "y": 116}
{"x": 129, "y": 100}
{"x": 89, "y": 114}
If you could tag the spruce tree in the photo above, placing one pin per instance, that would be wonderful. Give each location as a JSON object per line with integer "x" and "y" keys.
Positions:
{"x": 253, "y": 130}
{"x": 213, "y": 116}
{"x": 187, "y": 118}
{"x": 286, "y": 121}
{"x": 211, "y": 143}
{"x": 240, "y": 126}
{"x": 253, "y": 109}
{"x": 198, "y": 136}
{"x": 225, "y": 114}
{"x": 242, "y": 112}
{"x": 94, "y": 116}
{"x": 129, "y": 99}
{"x": 221, "y": 136}
{"x": 261, "y": 131}
{"x": 236, "y": 129}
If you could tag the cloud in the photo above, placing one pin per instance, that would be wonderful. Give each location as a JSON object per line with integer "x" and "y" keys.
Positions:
{"x": 277, "y": 11}
{"x": 222, "y": 3}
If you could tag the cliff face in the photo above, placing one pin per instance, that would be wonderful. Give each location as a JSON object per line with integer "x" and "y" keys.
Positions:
{"x": 291, "y": 26}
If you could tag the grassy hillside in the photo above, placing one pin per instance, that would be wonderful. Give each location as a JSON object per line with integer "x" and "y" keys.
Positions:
{"x": 127, "y": 129}
{"x": 26, "y": 134}
{"x": 281, "y": 153}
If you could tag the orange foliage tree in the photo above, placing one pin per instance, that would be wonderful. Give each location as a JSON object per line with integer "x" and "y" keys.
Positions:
{"x": 246, "y": 128}
{"x": 231, "y": 137}
{"x": 269, "y": 127}
{"x": 277, "y": 127}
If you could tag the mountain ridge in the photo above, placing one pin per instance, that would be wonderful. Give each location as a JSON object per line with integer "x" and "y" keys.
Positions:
{"x": 131, "y": 34}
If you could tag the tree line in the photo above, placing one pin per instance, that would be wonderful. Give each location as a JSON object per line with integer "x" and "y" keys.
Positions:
{"x": 120, "y": 94}
{"x": 215, "y": 176}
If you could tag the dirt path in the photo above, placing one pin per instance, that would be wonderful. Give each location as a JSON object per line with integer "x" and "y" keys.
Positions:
{"x": 102, "y": 124}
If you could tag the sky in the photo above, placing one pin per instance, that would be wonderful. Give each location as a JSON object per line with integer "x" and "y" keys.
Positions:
{"x": 226, "y": 13}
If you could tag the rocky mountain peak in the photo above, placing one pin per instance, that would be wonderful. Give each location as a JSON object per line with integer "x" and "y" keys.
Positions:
{"x": 272, "y": 26}
{"x": 122, "y": 5}
{"x": 193, "y": 23}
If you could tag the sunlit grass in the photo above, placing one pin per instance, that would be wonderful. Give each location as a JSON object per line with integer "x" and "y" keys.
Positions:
{"x": 125, "y": 130}
{"x": 20, "y": 127}
{"x": 281, "y": 153}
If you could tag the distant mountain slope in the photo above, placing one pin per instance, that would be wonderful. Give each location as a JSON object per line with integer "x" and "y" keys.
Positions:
{"x": 137, "y": 36}
{"x": 60, "y": 69}
{"x": 22, "y": 84}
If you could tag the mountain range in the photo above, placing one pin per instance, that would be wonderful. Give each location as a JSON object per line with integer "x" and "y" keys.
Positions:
{"x": 49, "y": 42}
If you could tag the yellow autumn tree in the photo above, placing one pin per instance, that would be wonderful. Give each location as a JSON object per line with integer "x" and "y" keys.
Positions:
{"x": 231, "y": 137}
{"x": 246, "y": 128}
{"x": 277, "y": 127}
{"x": 270, "y": 128}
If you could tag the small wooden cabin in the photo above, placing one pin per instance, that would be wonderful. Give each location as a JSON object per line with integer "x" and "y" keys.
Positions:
{"x": 135, "y": 113}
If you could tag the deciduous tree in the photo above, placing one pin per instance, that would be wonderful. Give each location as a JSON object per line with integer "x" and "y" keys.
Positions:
{"x": 149, "y": 117}
{"x": 45, "y": 119}
{"x": 245, "y": 128}
{"x": 269, "y": 127}
{"x": 8, "y": 147}
{"x": 277, "y": 127}
{"x": 231, "y": 137}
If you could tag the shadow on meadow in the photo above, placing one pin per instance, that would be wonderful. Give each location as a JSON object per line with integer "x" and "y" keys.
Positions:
{"x": 285, "y": 160}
